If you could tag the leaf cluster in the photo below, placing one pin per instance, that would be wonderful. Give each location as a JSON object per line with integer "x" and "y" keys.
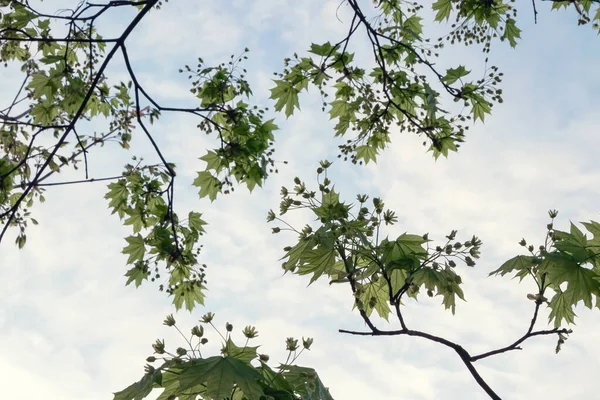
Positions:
{"x": 347, "y": 246}
{"x": 398, "y": 91}
{"x": 138, "y": 200}
{"x": 566, "y": 270}
{"x": 240, "y": 373}
{"x": 246, "y": 138}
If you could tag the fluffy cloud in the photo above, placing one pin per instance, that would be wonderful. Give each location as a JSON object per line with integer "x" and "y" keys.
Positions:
{"x": 70, "y": 330}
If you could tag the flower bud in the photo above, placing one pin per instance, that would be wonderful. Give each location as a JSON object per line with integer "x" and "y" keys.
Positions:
{"x": 325, "y": 164}
{"x": 250, "y": 332}
{"x": 198, "y": 331}
{"x": 208, "y": 317}
{"x": 306, "y": 343}
{"x": 291, "y": 344}
{"x": 169, "y": 321}
{"x": 159, "y": 346}
{"x": 372, "y": 302}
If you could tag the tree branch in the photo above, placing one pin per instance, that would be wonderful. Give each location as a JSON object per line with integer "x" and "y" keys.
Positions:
{"x": 462, "y": 353}
{"x": 13, "y": 210}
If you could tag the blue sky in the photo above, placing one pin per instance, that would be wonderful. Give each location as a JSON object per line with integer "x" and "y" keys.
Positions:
{"x": 69, "y": 329}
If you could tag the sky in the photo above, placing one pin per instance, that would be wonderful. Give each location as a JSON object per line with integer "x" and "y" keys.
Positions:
{"x": 70, "y": 329}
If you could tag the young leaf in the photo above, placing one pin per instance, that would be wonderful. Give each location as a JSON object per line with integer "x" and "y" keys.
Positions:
{"x": 136, "y": 248}
{"x": 213, "y": 161}
{"x": 317, "y": 262}
{"x": 195, "y": 222}
{"x": 517, "y": 263}
{"x": 323, "y": 50}
{"x": 219, "y": 375}
{"x": 208, "y": 184}
{"x": 286, "y": 96}
{"x": 306, "y": 382}
{"x": 582, "y": 283}
{"x": 454, "y": 74}
{"x": 135, "y": 219}
{"x": 140, "y": 389}
{"x": 245, "y": 354}
{"x": 376, "y": 297}
{"x": 367, "y": 153}
{"x": 443, "y": 8}
{"x": 561, "y": 308}
{"x": 190, "y": 293}
{"x": 136, "y": 274}
{"x": 511, "y": 32}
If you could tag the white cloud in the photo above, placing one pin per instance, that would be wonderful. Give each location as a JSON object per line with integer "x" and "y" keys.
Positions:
{"x": 70, "y": 330}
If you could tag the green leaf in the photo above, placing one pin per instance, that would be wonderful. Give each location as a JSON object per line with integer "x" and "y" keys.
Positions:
{"x": 366, "y": 153}
{"x": 480, "y": 108}
{"x": 454, "y": 74}
{"x": 118, "y": 195}
{"x": 574, "y": 244}
{"x": 593, "y": 227}
{"x": 286, "y": 95}
{"x": 219, "y": 375}
{"x": 213, "y": 161}
{"x": 339, "y": 108}
{"x": 137, "y": 274}
{"x": 195, "y": 222}
{"x": 405, "y": 245}
{"x": 413, "y": 26}
{"x": 21, "y": 240}
{"x": 518, "y": 263}
{"x": 443, "y": 8}
{"x": 561, "y": 308}
{"x": 208, "y": 184}
{"x": 445, "y": 283}
{"x": 136, "y": 248}
{"x": 139, "y": 390}
{"x": 376, "y": 297}
{"x": 190, "y": 293}
{"x": 43, "y": 85}
{"x": 323, "y": 50}
{"x": 135, "y": 218}
{"x": 297, "y": 252}
{"x": 245, "y": 354}
{"x": 446, "y": 144}
{"x": 44, "y": 112}
{"x": 306, "y": 382}
{"x": 277, "y": 380}
{"x": 582, "y": 283}
{"x": 255, "y": 176}
{"x": 317, "y": 262}
{"x": 511, "y": 32}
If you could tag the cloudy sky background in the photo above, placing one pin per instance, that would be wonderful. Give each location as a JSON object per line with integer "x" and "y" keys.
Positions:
{"x": 69, "y": 329}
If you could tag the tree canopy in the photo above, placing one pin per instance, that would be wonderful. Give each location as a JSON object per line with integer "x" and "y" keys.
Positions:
{"x": 384, "y": 77}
